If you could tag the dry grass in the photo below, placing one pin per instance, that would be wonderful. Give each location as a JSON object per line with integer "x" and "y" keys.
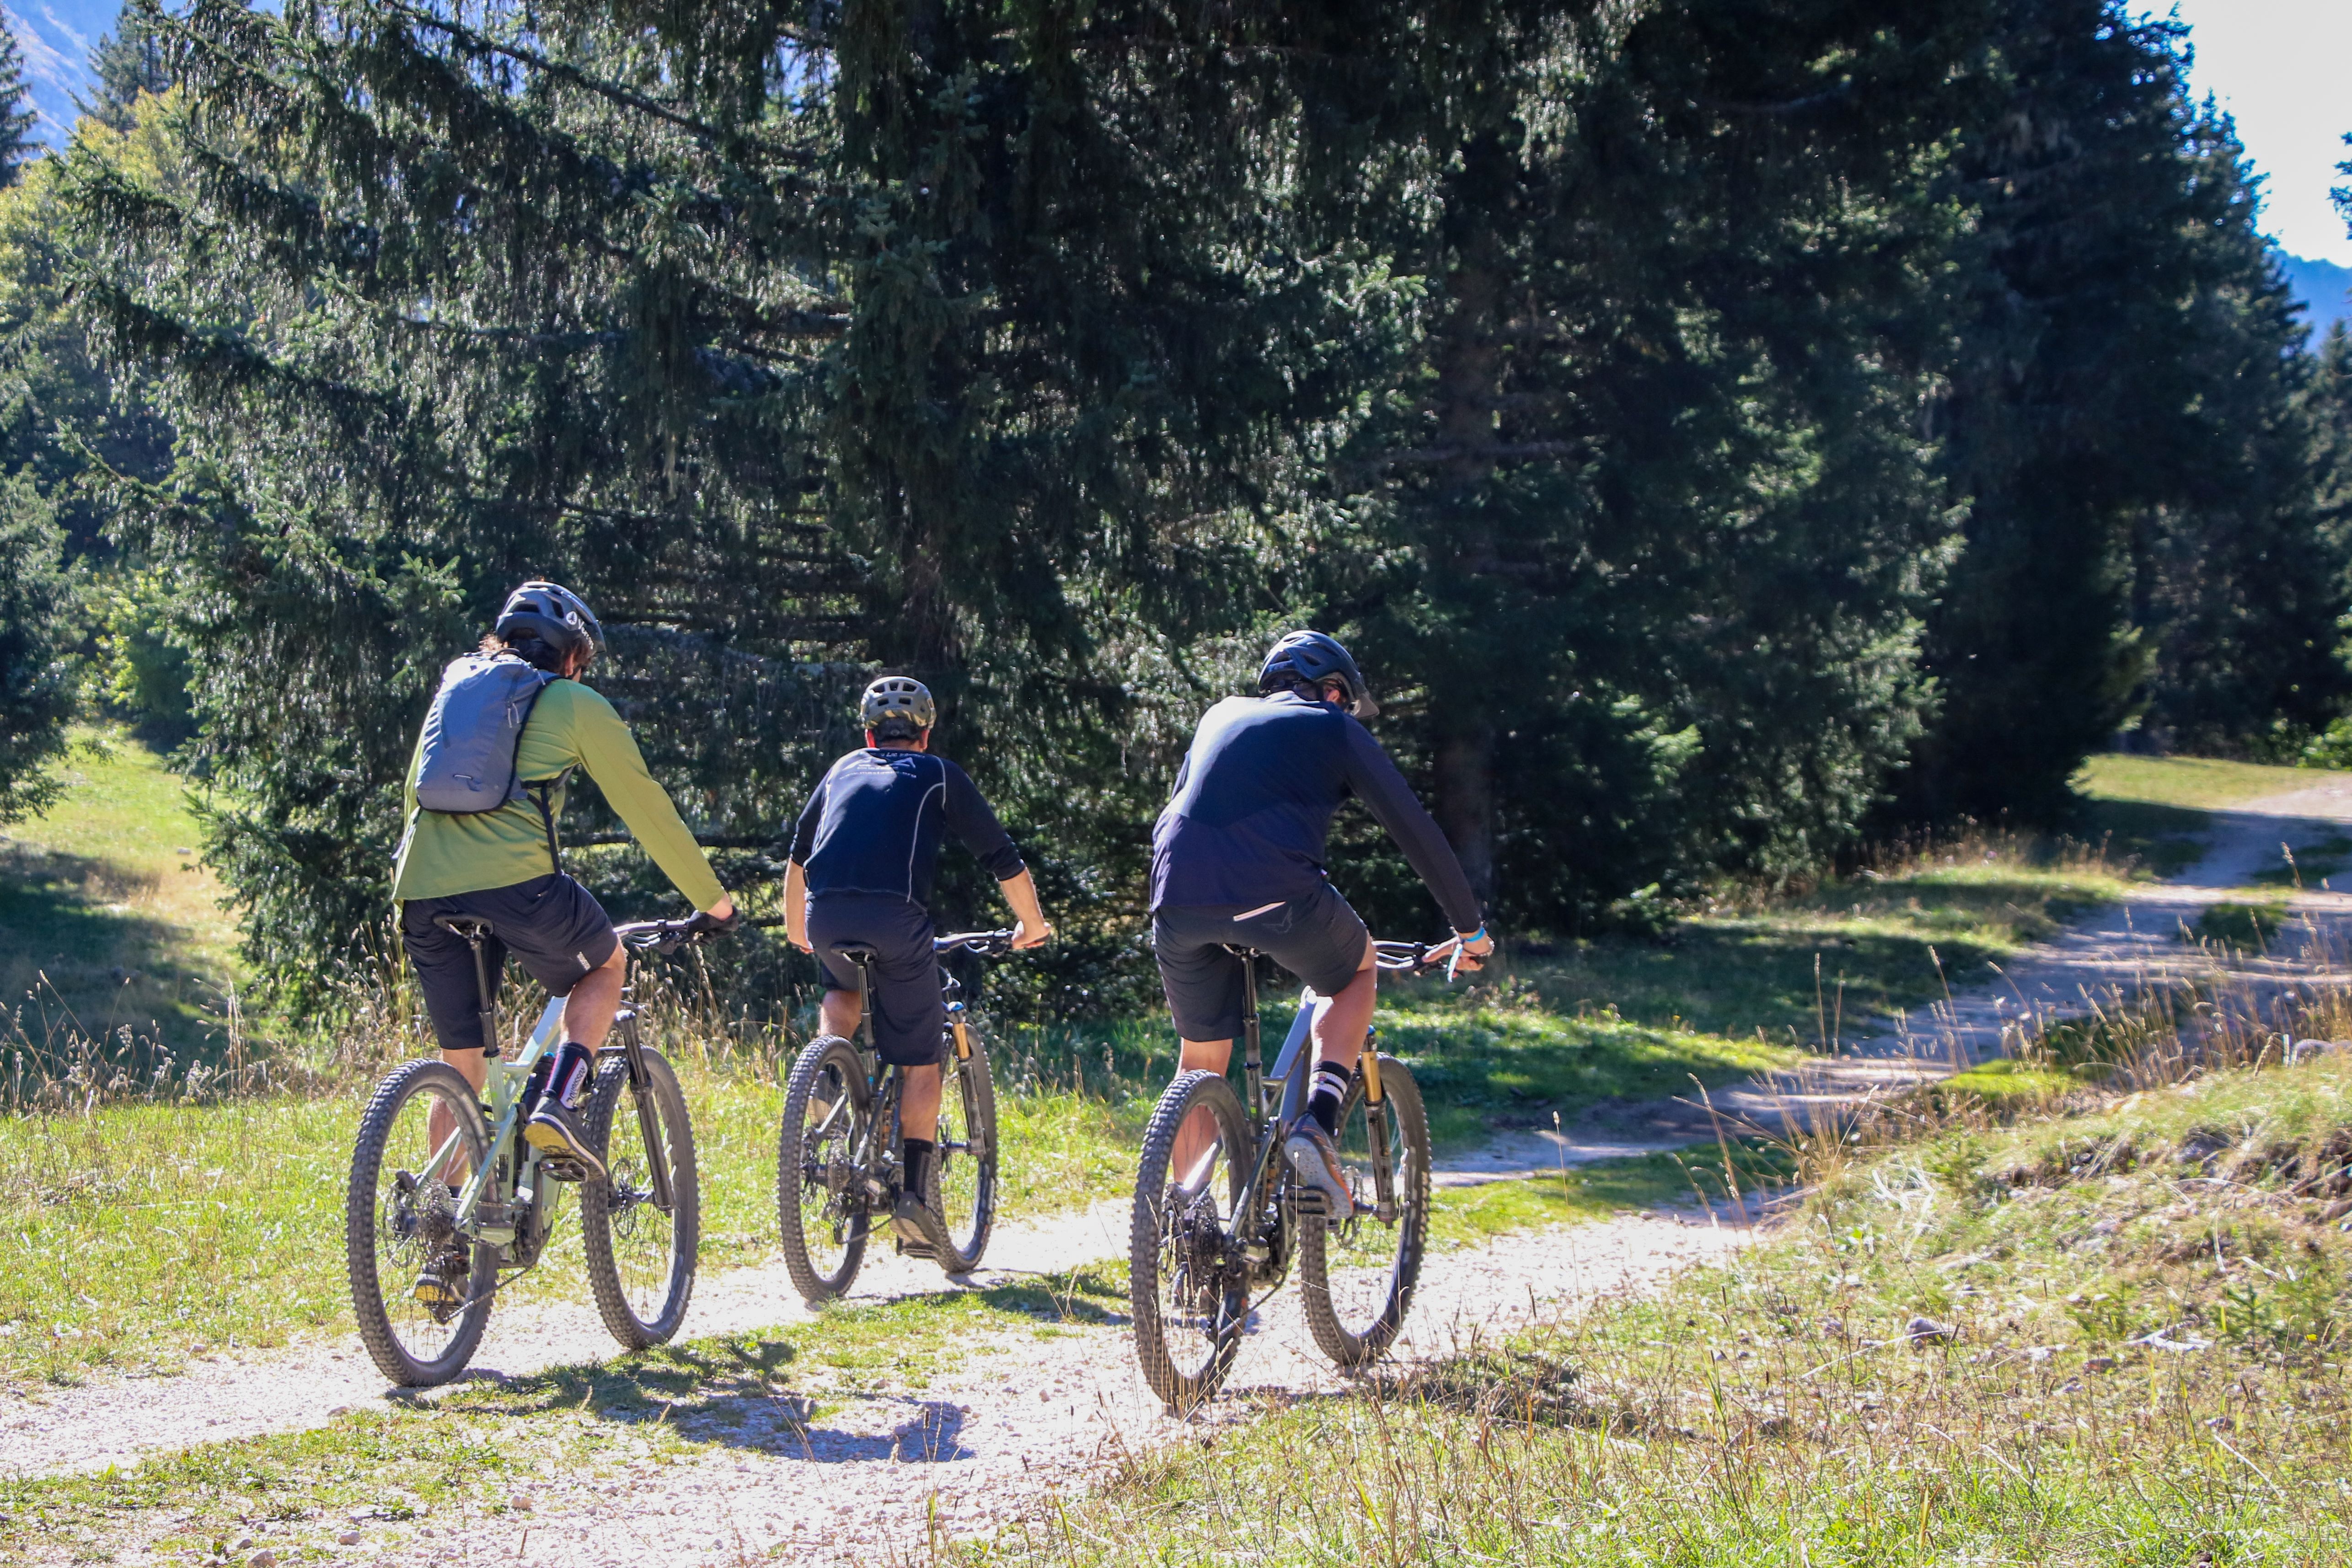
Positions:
{"x": 2106, "y": 1328}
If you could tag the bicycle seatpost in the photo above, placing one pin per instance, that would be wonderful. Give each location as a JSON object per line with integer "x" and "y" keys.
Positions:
{"x": 485, "y": 999}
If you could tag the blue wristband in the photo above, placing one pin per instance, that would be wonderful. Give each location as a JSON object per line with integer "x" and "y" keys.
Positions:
{"x": 1467, "y": 937}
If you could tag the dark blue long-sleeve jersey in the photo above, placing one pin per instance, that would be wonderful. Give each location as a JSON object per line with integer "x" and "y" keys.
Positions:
{"x": 875, "y": 822}
{"x": 1251, "y": 817}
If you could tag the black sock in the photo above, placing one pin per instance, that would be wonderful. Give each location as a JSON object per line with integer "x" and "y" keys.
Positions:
{"x": 574, "y": 1065}
{"x": 918, "y": 1165}
{"x": 1330, "y": 1089}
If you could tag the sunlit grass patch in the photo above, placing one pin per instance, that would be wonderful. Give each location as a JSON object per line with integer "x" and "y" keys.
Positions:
{"x": 108, "y": 919}
{"x": 2091, "y": 1339}
{"x": 1471, "y": 1214}
{"x": 150, "y": 1234}
{"x": 2196, "y": 783}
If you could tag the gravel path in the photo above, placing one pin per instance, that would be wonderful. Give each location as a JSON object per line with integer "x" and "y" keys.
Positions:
{"x": 2119, "y": 952}
{"x": 992, "y": 1442}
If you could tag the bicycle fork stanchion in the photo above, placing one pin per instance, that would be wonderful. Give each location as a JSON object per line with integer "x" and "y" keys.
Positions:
{"x": 633, "y": 1053}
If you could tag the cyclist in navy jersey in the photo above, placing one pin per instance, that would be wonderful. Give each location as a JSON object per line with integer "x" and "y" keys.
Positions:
{"x": 860, "y": 874}
{"x": 1237, "y": 862}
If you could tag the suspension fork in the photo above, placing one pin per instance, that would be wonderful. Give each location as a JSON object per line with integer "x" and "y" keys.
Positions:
{"x": 641, "y": 1081}
{"x": 1376, "y": 1128}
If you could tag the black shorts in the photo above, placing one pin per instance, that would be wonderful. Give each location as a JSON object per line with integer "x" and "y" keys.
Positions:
{"x": 1317, "y": 938}
{"x": 910, "y": 1016}
{"x": 551, "y": 923}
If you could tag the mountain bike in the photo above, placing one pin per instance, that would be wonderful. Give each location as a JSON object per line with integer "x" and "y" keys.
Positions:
{"x": 838, "y": 1156}
{"x": 1206, "y": 1247}
{"x": 437, "y": 1166}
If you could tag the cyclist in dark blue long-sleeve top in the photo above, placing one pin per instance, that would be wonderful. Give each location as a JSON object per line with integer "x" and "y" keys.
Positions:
{"x": 863, "y": 857}
{"x": 1237, "y": 860}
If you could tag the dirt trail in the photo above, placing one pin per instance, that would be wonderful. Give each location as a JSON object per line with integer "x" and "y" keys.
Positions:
{"x": 991, "y": 1442}
{"x": 2128, "y": 948}
{"x": 976, "y": 1447}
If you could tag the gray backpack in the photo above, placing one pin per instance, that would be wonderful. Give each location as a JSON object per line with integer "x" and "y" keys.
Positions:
{"x": 471, "y": 734}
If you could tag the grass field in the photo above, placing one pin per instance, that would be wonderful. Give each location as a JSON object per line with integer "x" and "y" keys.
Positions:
{"x": 2112, "y": 1338}
{"x": 108, "y": 923}
{"x": 2153, "y": 809}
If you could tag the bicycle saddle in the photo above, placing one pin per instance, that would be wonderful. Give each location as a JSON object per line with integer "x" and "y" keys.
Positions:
{"x": 472, "y": 927}
{"x": 858, "y": 953}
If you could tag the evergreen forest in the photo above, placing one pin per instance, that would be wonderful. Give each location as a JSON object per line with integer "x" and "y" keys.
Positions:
{"x": 1728, "y": 431}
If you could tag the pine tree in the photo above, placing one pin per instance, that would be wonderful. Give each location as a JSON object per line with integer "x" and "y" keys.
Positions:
{"x": 35, "y": 698}
{"x": 2115, "y": 420}
{"x": 18, "y": 145}
{"x": 126, "y": 62}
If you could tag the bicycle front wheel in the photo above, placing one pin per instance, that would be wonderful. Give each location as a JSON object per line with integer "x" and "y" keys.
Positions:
{"x": 1186, "y": 1278}
{"x": 964, "y": 1171}
{"x": 420, "y": 1290}
{"x": 1357, "y": 1272}
{"x": 821, "y": 1200}
{"x": 641, "y": 1257}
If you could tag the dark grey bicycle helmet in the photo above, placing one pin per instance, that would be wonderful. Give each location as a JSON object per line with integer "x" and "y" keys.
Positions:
{"x": 1312, "y": 657}
{"x": 552, "y": 614}
{"x": 898, "y": 707}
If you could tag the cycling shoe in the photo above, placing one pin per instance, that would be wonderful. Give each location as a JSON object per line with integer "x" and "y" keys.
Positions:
{"x": 554, "y": 1132}
{"x": 1316, "y": 1158}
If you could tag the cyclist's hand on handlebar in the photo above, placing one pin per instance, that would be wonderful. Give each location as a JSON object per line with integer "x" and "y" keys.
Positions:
{"x": 1026, "y": 935}
{"x": 1462, "y": 951}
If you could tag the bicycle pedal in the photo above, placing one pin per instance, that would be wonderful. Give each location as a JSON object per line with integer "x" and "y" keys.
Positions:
{"x": 1307, "y": 1201}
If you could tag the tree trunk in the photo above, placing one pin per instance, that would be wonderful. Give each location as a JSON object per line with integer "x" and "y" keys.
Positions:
{"x": 1466, "y": 801}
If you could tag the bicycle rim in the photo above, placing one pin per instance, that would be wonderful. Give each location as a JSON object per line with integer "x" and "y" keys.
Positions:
{"x": 1358, "y": 1272}
{"x": 963, "y": 1170}
{"x": 641, "y": 1258}
{"x": 399, "y": 1218}
{"x": 821, "y": 1206}
{"x": 1185, "y": 1280}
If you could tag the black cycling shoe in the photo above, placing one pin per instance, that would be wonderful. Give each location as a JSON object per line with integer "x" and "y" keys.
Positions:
{"x": 447, "y": 1282}
{"x": 553, "y": 1132}
{"x": 921, "y": 1232}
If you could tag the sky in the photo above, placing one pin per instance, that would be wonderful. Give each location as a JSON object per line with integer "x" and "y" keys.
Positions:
{"x": 2282, "y": 68}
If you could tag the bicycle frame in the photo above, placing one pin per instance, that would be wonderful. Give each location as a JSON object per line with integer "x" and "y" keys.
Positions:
{"x": 486, "y": 1205}
{"x": 1279, "y": 1096}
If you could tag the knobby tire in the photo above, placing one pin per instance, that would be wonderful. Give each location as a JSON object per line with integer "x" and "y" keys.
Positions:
{"x": 826, "y": 1062}
{"x": 369, "y": 1211}
{"x": 641, "y": 1262}
{"x": 1182, "y": 1379}
{"x": 1356, "y": 1319}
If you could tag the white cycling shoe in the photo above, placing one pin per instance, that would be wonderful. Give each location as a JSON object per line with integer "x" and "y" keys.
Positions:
{"x": 1316, "y": 1159}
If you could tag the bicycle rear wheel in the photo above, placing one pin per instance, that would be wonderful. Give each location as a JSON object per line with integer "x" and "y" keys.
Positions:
{"x": 397, "y": 1222}
{"x": 1186, "y": 1280}
{"x": 640, "y": 1260}
{"x": 964, "y": 1171}
{"x": 1358, "y": 1272}
{"x": 821, "y": 1199}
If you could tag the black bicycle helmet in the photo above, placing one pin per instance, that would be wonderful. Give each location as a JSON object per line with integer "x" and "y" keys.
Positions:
{"x": 552, "y": 614}
{"x": 898, "y": 707}
{"x": 1312, "y": 657}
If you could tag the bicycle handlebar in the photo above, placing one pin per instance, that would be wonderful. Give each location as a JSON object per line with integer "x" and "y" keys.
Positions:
{"x": 1412, "y": 957}
{"x": 987, "y": 944}
{"x": 668, "y": 936}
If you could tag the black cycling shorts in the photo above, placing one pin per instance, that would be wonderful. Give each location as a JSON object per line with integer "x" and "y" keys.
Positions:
{"x": 910, "y": 1016}
{"x": 551, "y": 923}
{"x": 1316, "y": 937}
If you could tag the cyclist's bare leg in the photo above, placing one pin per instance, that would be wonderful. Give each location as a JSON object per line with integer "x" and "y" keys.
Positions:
{"x": 839, "y": 1012}
{"x": 594, "y": 999}
{"x": 1343, "y": 1020}
{"x": 918, "y": 1101}
{"x": 1200, "y": 1129}
{"x": 919, "y": 1087}
{"x": 440, "y": 1122}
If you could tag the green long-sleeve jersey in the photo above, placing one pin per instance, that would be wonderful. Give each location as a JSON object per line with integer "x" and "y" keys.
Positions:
{"x": 443, "y": 854}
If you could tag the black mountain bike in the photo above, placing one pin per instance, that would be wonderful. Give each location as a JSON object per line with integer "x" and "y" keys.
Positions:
{"x": 1207, "y": 1246}
{"x": 838, "y": 1156}
{"x": 437, "y": 1165}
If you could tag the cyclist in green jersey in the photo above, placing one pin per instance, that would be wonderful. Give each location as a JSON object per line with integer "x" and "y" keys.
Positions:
{"x": 500, "y": 865}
